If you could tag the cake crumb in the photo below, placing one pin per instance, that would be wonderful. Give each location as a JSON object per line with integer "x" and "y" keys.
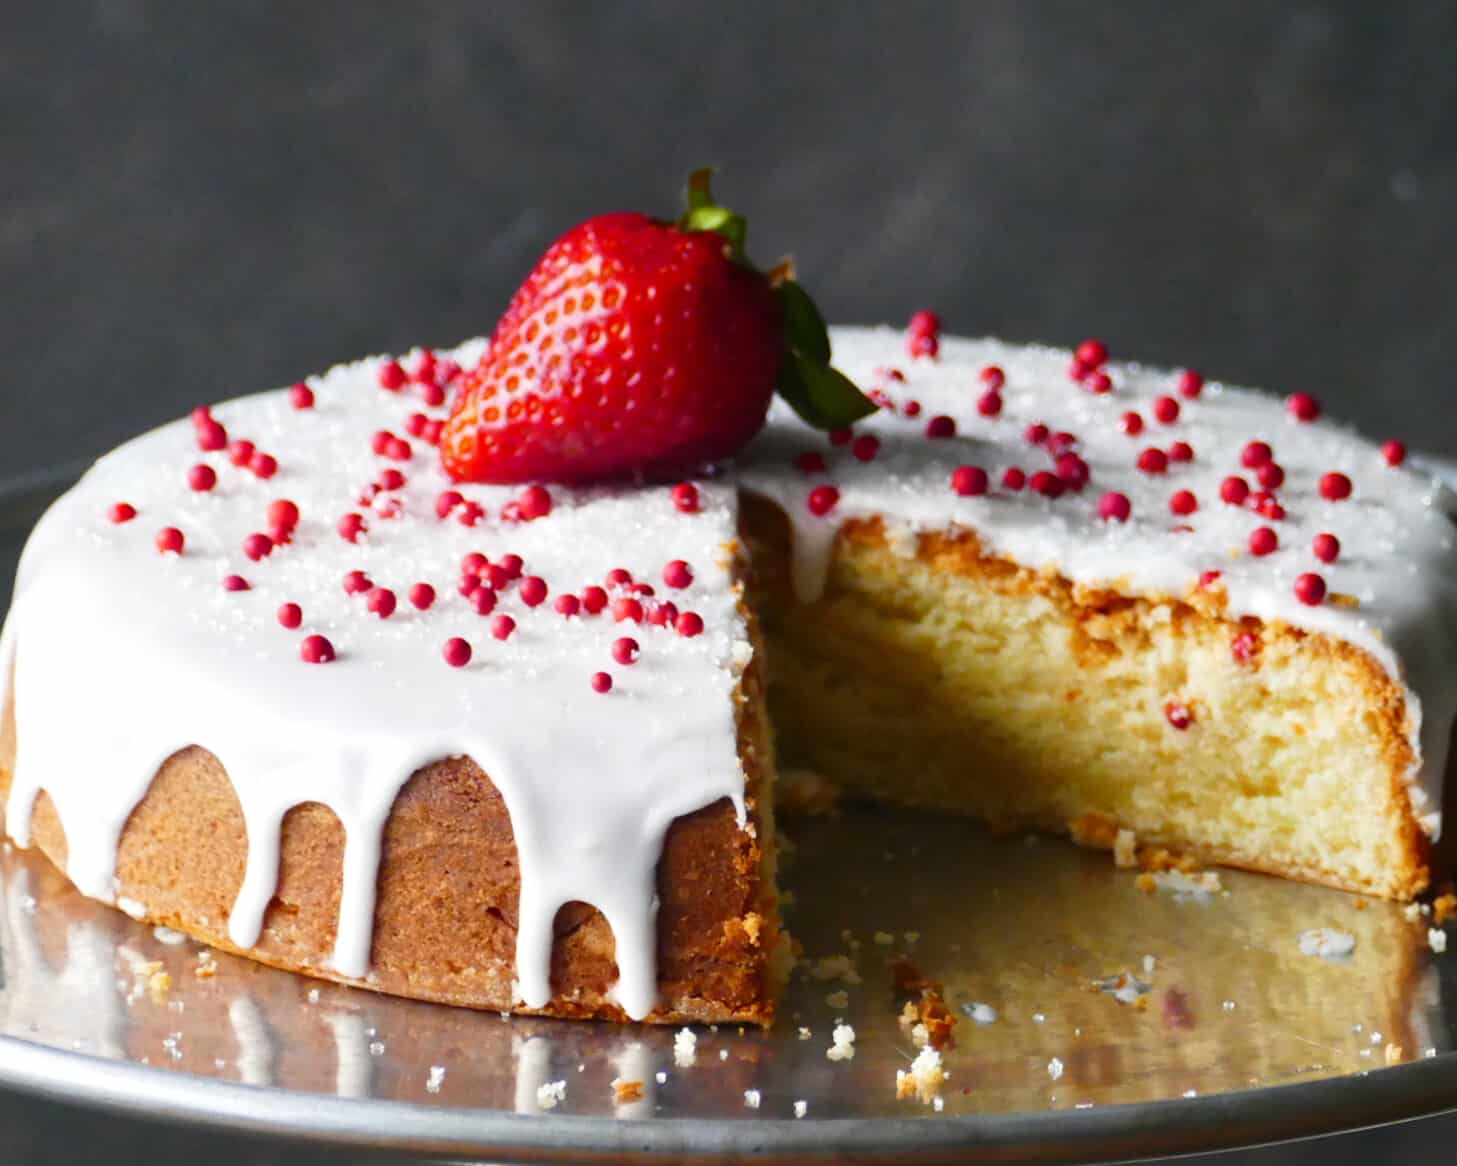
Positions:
{"x": 1095, "y": 831}
{"x": 751, "y": 1099}
{"x": 801, "y": 1108}
{"x": 924, "y": 1078}
{"x": 1326, "y": 942}
{"x": 1125, "y": 850}
{"x": 159, "y": 983}
{"x": 1158, "y": 859}
{"x": 168, "y": 935}
{"x": 625, "y": 1091}
{"x": 1182, "y": 883}
{"x": 435, "y": 1079}
{"x": 550, "y": 1095}
{"x": 1444, "y": 907}
{"x": 661, "y": 1077}
{"x": 1437, "y": 939}
{"x": 839, "y": 999}
{"x": 930, "y": 1014}
{"x": 980, "y": 1013}
{"x": 843, "y": 1046}
{"x": 1395, "y": 1054}
{"x": 804, "y": 1033}
{"x": 884, "y": 938}
{"x": 1146, "y": 883}
{"x": 207, "y": 966}
{"x": 685, "y": 1048}
{"x": 1124, "y": 987}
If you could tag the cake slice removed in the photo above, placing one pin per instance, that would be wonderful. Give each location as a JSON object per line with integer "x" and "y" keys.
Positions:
{"x": 957, "y": 680}
{"x": 1042, "y": 603}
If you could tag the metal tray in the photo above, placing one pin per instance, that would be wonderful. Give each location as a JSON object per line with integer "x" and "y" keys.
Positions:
{"x": 1230, "y": 1035}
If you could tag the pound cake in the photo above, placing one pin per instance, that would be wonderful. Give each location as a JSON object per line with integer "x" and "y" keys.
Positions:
{"x": 490, "y": 725}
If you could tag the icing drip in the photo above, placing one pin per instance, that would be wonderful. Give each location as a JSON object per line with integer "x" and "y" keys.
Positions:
{"x": 156, "y": 656}
{"x": 1399, "y": 547}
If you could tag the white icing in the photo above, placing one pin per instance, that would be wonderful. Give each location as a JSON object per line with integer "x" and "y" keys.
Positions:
{"x": 123, "y": 656}
{"x": 1399, "y": 549}
{"x": 154, "y": 655}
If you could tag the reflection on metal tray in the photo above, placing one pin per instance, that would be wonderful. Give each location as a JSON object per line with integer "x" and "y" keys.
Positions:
{"x": 1096, "y": 1021}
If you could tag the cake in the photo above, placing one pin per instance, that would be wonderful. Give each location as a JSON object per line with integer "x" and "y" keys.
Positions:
{"x": 277, "y": 682}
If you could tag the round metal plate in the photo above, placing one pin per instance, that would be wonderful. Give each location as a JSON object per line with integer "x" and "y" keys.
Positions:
{"x": 1115, "y": 1024}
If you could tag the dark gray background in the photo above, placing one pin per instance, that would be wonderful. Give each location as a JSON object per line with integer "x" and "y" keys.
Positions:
{"x": 200, "y": 201}
{"x": 197, "y": 201}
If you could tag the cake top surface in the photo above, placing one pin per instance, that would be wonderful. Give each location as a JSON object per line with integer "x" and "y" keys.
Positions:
{"x": 600, "y": 711}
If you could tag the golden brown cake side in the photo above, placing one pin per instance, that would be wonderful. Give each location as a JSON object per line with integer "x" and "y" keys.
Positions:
{"x": 943, "y": 676}
{"x": 445, "y": 920}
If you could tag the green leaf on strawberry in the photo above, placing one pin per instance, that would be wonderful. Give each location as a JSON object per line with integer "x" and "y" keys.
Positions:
{"x": 804, "y": 327}
{"x": 823, "y": 396}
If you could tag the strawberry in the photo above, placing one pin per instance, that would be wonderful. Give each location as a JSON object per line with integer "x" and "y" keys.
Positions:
{"x": 642, "y": 348}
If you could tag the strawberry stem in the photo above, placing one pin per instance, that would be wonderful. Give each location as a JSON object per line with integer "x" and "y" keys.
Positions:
{"x": 823, "y": 396}
{"x": 703, "y": 214}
